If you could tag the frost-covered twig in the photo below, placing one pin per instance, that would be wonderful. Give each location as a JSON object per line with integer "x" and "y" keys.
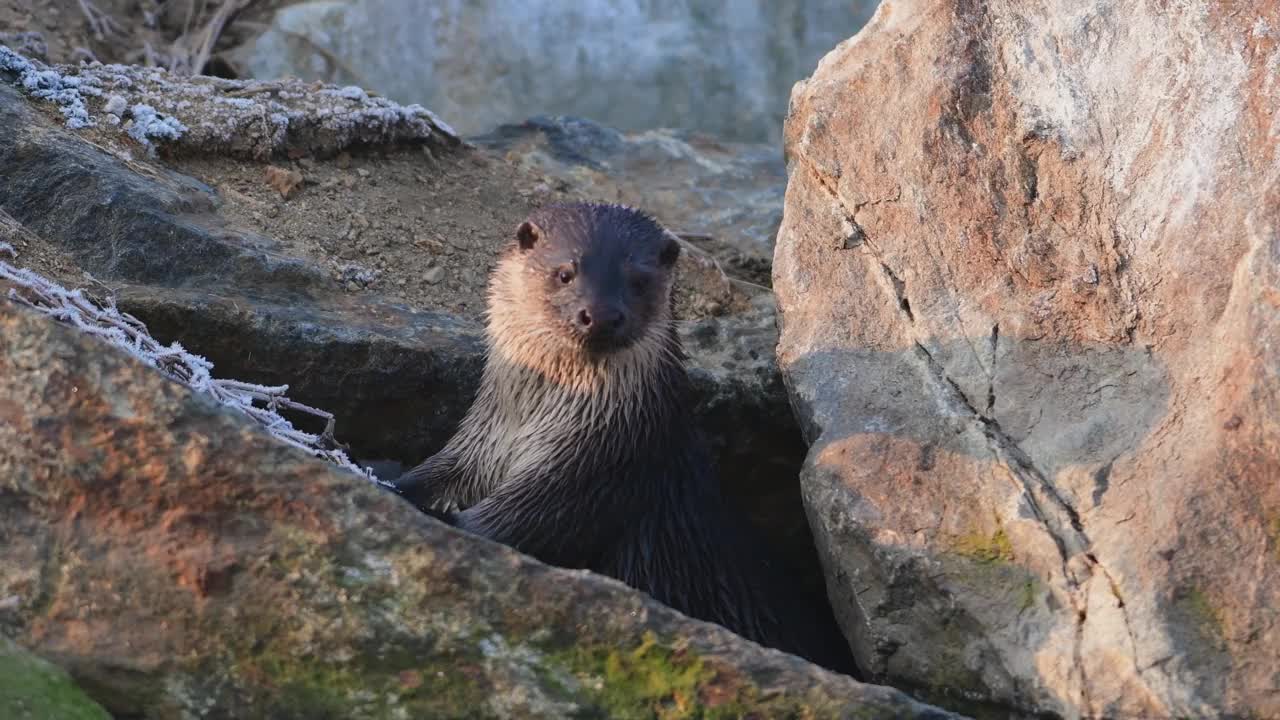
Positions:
{"x": 107, "y": 322}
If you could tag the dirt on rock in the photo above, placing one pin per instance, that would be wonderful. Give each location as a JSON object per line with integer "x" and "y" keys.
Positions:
{"x": 420, "y": 228}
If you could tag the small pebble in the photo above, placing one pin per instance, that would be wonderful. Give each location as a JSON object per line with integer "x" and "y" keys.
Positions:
{"x": 434, "y": 275}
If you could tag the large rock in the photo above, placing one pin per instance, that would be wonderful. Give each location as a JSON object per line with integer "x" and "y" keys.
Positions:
{"x": 1029, "y": 278}
{"x": 721, "y": 66}
{"x": 181, "y": 562}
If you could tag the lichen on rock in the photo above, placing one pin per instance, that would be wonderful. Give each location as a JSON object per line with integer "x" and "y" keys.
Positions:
{"x": 68, "y": 93}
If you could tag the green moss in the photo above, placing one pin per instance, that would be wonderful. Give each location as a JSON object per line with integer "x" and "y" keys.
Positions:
{"x": 653, "y": 680}
{"x": 983, "y": 548}
{"x": 427, "y": 684}
{"x": 1200, "y": 608}
{"x": 651, "y": 675}
{"x": 31, "y": 688}
{"x": 986, "y": 562}
{"x": 313, "y": 689}
{"x": 1027, "y": 597}
{"x": 317, "y": 689}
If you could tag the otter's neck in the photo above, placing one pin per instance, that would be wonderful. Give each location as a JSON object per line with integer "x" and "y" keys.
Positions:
{"x": 527, "y": 375}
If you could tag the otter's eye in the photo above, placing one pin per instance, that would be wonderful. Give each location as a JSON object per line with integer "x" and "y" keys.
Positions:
{"x": 565, "y": 276}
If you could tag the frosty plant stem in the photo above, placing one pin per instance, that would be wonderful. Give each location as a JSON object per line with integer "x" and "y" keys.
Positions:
{"x": 107, "y": 322}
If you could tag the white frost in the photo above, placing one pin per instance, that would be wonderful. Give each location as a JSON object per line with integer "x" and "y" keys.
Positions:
{"x": 116, "y": 105}
{"x": 249, "y": 116}
{"x": 147, "y": 124}
{"x": 350, "y": 92}
{"x": 66, "y": 93}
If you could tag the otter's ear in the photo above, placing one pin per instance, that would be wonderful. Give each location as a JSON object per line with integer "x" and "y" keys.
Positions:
{"x": 528, "y": 235}
{"x": 670, "y": 251}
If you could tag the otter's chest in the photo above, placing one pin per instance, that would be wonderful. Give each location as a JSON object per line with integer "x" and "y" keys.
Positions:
{"x": 602, "y": 434}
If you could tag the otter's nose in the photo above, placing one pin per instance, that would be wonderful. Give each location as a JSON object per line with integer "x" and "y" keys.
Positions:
{"x": 601, "y": 320}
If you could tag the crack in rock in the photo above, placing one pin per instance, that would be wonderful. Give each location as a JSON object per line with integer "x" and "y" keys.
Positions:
{"x": 991, "y": 384}
{"x": 1071, "y": 542}
{"x": 1061, "y": 521}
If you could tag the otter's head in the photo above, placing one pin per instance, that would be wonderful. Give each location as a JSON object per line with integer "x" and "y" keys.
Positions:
{"x": 592, "y": 277}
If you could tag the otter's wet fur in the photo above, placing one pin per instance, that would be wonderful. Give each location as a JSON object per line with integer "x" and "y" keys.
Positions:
{"x": 579, "y": 447}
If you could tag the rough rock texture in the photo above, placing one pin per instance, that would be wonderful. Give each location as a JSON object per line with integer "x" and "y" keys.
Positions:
{"x": 721, "y": 66}
{"x": 1029, "y": 276}
{"x": 180, "y": 562}
{"x": 33, "y": 689}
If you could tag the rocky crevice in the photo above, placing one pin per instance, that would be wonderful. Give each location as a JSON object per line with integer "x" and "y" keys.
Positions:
{"x": 1058, "y": 518}
{"x": 1066, "y": 528}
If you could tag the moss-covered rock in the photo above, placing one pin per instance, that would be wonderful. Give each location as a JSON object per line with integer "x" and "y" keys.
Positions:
{"x": 33, "y": 689}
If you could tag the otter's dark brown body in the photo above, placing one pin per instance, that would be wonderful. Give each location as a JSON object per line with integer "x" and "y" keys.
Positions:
{"x": 579, "y": 448}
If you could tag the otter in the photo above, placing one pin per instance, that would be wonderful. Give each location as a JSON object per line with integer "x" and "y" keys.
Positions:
{"x": 579, "y": 449}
